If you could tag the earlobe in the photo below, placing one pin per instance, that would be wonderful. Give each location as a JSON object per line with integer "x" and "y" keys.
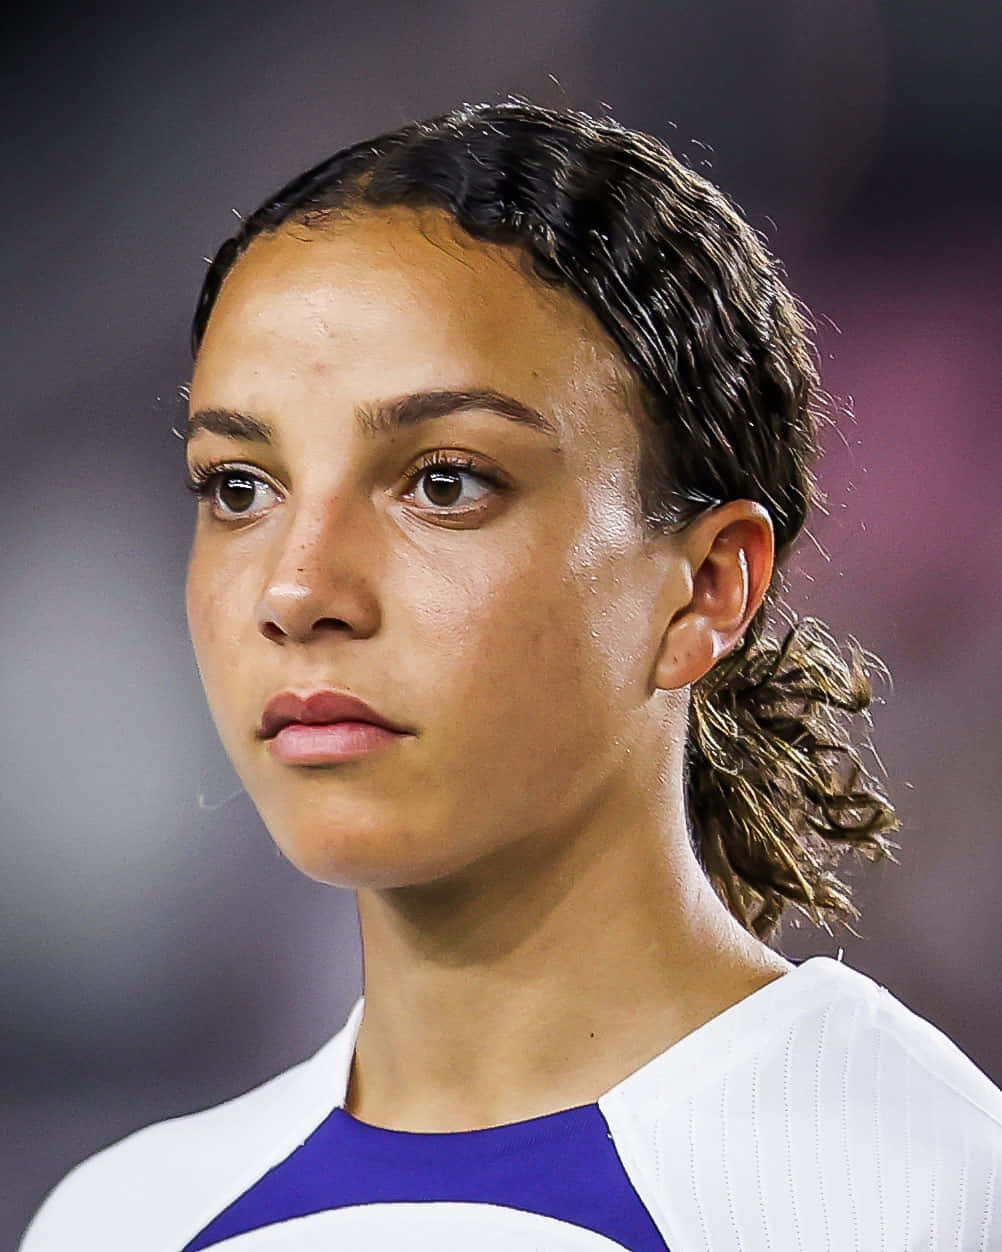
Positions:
{"x": 686, "y": 654}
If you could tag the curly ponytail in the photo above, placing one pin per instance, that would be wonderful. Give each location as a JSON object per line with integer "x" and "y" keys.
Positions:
{"x": 726, "y": 393}
{"x": 775, "y": 789}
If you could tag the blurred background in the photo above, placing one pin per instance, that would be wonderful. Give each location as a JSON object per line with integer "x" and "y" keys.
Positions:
{"x": 157, "y": 953}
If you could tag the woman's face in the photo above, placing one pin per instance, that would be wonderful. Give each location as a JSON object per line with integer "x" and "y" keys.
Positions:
{"x": 504, "y": 610}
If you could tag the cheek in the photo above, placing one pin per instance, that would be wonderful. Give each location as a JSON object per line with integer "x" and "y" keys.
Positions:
{"x": 526, "y": 680}
{"x": 212, "y": 599}
{"x": 204, "y": 608}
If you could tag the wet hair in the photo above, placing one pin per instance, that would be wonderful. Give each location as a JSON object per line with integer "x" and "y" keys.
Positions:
{"x": 730, "y": 407}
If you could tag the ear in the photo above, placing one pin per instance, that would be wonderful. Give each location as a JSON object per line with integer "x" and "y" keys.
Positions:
{"x": 724, "y": 561}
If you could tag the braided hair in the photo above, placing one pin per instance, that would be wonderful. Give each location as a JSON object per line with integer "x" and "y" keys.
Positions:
{"x": 730, "y": 407}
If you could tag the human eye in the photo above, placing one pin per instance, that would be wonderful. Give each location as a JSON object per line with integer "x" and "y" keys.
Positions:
{"x": 209, "y": 482}
{"x": 439, "y": 479}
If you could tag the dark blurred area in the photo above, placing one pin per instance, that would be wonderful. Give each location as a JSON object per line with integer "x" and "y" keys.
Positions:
{"x": 158, "y": 954}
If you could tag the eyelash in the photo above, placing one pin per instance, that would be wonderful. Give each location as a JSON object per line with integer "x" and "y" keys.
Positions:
{"x": 201, "y": 478}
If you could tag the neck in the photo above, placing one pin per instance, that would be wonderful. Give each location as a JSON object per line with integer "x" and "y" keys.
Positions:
{"x": 540, "y": 980}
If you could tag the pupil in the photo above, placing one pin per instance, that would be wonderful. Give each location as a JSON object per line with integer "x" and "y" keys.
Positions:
{"x": 443, "y": 482}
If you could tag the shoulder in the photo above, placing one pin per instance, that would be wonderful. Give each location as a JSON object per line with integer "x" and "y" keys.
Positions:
{"x": 819, "y": 1112}
{"x": 156, "y": 1187}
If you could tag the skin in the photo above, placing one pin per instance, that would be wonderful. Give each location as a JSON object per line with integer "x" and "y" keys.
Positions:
{"x": 535, "y": 925}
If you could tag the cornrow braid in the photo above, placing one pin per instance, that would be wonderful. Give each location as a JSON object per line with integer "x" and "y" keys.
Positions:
{"x": 729, "y": 407}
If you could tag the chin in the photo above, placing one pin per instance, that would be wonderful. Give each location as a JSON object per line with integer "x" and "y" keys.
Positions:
{"x": 359, "y": 862}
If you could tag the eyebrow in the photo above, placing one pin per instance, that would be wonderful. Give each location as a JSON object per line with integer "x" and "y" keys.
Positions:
{"x": 382, "y": 418}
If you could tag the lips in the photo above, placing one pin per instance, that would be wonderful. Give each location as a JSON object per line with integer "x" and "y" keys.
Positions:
{"x": 319, "y": 709}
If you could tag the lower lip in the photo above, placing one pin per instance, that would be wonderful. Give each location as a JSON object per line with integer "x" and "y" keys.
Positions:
{"x": 298, "y": 744}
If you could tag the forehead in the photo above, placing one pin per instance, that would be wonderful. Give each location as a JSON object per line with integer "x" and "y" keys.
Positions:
{"x": 397, "y": 301}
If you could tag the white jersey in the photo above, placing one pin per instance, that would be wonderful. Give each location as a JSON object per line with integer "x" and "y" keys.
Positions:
{"x": 818, "y": 1114}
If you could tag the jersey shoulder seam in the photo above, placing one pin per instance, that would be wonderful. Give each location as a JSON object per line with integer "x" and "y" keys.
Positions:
{"x": 887, "y": 1011}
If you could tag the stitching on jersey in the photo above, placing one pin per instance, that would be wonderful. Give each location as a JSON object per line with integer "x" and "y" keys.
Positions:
{"x": 757, "y": 1146}
{"x": 725, "y": 1170}
{"x": 962, "y": 1213}
{"x": 889, "y": 1024}
{"x": 876, "y": 1141}
{"x": 788, "y": 1126}
{"x": 989, "y": 1205}
{"x": 847, "y": 1062}
{"x": 818, "y": 1136}
{"x": 908, "y": 1156}
{"x": 692, "y": 1174}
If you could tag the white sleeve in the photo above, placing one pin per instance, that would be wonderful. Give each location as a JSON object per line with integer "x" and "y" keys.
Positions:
{"x": 841, "y": 1122}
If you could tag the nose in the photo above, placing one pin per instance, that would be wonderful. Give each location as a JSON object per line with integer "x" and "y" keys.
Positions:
{"x": 321, "y": 578}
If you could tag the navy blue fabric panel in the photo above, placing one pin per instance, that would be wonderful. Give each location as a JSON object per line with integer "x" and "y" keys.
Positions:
{"x": 563, "y": 1166}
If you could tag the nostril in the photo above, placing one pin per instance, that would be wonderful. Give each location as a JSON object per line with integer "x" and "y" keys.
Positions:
{"x": 332, "y": 623}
